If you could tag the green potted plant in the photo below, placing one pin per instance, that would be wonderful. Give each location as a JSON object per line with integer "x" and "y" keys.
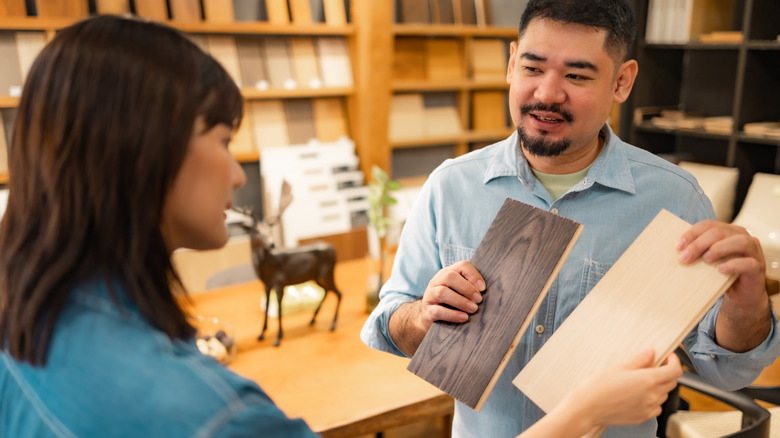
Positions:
{"x": 379, "y": 198}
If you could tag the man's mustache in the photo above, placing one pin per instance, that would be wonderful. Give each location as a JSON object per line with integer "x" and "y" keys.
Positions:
{"x": 565, "y": 115}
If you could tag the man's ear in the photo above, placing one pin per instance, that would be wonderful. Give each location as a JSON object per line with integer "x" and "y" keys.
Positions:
{"x": 624, "y": 80}
{"x": 510, "y": 68}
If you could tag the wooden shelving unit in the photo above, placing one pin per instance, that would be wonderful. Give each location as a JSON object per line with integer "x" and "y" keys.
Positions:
{"x": 740, "y": 80}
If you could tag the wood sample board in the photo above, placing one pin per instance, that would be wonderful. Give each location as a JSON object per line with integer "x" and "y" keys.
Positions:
{"x": 12, "y": 8}
{"x": 648, "y": 299}
{"x": 152, "y": 9}
{"x": 218, "y": 11}
{"x": 62, "y": 8}
{"x": 519, "y": 257}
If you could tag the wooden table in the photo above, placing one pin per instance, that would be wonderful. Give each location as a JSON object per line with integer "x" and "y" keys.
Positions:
{"x": 339, "y": 386}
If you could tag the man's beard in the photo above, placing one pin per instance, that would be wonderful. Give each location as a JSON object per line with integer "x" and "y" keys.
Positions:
{"x": 540, "y": 146}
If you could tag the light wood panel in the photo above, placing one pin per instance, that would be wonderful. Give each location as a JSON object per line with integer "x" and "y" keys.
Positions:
{"x": 12, "y": 8}
{"x": 444, "y": 59}
{"x": 250, "y": 57}
{"x": 219, "y": 11}
{"x": 335, "y": 63}
{"x": 277, "y": 61}
{"x": 648, "y": 299}
{"x": 335, "y": 13}
{"x": 10, "y": 72}
{"x": 519, "y": 257}
{"x": 243, "y": 141}
{"x": 300, "y": 10}
{"x": 488, "y": 111}
{"x": 277, "y": 11}
{"x": 407, "y": 117}
{"x": 152, "y": 9}
{"x": 304, "y": 62}
{"x": 330, "y": 123}
{"x": 223, "y": 49}
{"x": 300, "y": 120}
{"x": 28, "y": 46}
{"x": 186, "y": 10}
{"x": 270, "y": 124}
{"x": 113, "y": 7}
{"x": 488, "y": 59}
{"x": 62, "y": 8}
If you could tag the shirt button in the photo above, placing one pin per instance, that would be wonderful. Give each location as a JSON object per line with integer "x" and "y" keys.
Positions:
{"x": 540, "y": 329}
{"x": 554, "y": 211}
{"x": 584, "y": 180}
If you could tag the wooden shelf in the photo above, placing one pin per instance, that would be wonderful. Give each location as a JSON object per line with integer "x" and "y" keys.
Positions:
{"x": 453, "y": 30}
{"x": 250, "y": 93}
{"x": 247, "y": 157}
{"x": 238, "y": 27}
{"x": 649, "y": 127}
{"x": 466, "y": 137}
{"x": 465, "y": 84}
{"x": 4, "y": 177}
{"x": 9, "y": 102}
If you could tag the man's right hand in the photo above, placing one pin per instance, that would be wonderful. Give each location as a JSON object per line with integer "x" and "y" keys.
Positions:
{"x": 452, "y": 295}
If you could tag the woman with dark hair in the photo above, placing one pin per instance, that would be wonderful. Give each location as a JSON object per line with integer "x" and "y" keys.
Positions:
{"x": 119, "y": 156}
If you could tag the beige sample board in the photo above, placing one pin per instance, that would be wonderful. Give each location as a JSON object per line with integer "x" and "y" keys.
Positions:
{"x": 243, "y": 140}
{"x": 223, "y": 49}
{"x": 330, "y": 123}
{"x": 277, "y": 61}
{"x": 300, "y": 10}
{"x": 335, "y": 12}
{"x": 250, "y": 58}
{"x": 335, "y": 64}
{"x": 278, "y": 12}
{"x": 648, "y": 299}
{"x": 62, "y": 8}
{"x": 300, "y": 120}
{"x": 444, "y": 59}
{"x": 519, "y": 258}
{"x": 10, "y": 72}
{"x": 152, "y": 9}
{"x": 488, "y": 110}
{"x": 407, "y": 117}
{"x": 113, "y": 6}
{"x": 218, "y": 11}
{"x": 185, "y": 10}
{"x": 304, "y": 62}
{"x": 270, "y": 124}
{"x": 28, "y": 46}
{"x": 12, "y": 8}
{"x": 488, "y": 59}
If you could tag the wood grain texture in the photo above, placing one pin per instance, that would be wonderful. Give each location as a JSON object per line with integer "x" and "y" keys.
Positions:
{"x": 277, "y": 11}
{"x": 488, "y": 110}
{"x": 250, "y": 59}
{"x": 300, "y": 120}
{"x": 113, "y": 7}
{"x": 648, "y": 299}
{"x": 415, "y": 11}
{"x": 335, "y": 62}
{"x": 62, "y": 8}
{"x": 12, "y": 8}
{"x": 335, "y": 12}
{"x": 488, "y": 59}
{"x": 330, "y": 122}
{"x": 223, "y": 49}
{"x": 188, "y": 11}
{"x": 218, "y": 11}
{"x": 442, "y": 12}
{"x": 300, "y": 10}
{"x": 10, "y": 73}
{"x": 304, "y": 62}
{"x": 444, "y": 59}
{"x": 409, "y": 59}
{"x": 519, "y": 257}
{"x": 152, "y": 9}
{"x": 28, "y": 46}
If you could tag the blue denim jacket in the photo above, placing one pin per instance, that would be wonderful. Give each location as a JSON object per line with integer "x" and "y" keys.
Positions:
{"x": 110, "y": 374}
{"x": 623, "y": 191}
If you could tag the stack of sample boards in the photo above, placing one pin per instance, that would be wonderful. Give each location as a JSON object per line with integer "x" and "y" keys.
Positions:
{"x": 463, "y": 12}
{"x": 648, "y": 299}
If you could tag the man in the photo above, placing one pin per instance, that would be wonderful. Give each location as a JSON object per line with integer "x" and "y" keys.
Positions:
{"x": 565, "y": 71}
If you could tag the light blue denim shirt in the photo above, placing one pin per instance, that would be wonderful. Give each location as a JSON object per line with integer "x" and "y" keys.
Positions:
{"x": 623, "y": 191}
{"x": 110, "y": 374}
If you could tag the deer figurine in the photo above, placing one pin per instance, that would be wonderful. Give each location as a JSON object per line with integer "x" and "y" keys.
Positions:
{"x": 280, "y": 267}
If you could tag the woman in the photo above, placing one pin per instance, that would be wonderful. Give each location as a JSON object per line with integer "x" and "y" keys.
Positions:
{"x": 119, "y": 156}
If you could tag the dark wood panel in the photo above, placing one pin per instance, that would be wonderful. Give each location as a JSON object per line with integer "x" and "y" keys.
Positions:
{"x": 519, "y": 257}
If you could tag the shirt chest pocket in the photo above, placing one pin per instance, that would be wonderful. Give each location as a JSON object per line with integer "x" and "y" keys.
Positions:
{"x": 592, "y": 272}
{"x": 455, "y": 253}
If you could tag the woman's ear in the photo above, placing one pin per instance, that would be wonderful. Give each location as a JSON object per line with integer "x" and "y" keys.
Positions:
{"x": 624, "y": 80}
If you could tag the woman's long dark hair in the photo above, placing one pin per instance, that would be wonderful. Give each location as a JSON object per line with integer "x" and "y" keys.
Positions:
{"x": 102, "y": 128}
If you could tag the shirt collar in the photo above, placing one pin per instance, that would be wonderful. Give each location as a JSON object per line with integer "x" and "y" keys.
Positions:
{"x": 611, "y": 168}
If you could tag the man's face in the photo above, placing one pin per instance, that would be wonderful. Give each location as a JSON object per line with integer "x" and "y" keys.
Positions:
{"x": 562, "y": 85}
